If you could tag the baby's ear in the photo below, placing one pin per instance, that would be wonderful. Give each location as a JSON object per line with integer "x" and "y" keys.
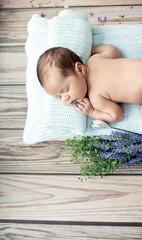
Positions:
{"x": 78, "y": 67}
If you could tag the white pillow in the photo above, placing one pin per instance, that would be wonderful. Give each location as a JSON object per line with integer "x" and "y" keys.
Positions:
{"x": 47, "y": 118}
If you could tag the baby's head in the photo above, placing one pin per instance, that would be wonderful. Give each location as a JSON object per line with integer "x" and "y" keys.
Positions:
{"x": 62, "y": 74}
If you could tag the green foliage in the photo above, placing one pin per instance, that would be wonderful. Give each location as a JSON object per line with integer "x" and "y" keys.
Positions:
{"x": 98, "y": 156}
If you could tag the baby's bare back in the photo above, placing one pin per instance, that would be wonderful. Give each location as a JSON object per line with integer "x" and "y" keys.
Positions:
{"x": 119, "y": 80}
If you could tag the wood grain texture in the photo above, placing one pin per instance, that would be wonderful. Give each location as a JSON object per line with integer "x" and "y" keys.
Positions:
{"x": 62, "y": 3}
{"x": 13, "y": 106}
{"x": 13, "y": 68}
{"x": 14, "y": 22}
{"x": 44, "y": 158}
{"x": 14, "y": 231}
{"x": 13, "y": 99}
{"x": 64, "y": 198}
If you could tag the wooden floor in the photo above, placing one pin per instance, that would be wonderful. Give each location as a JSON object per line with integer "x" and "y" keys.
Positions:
{"x": 40, "y": 194}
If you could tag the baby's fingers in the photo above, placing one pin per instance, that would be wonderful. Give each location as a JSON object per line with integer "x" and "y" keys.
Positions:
{"x": 79, "y": 107}
{"x": 86, "y": 100}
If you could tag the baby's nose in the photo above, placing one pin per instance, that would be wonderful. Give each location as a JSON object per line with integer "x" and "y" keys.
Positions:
{"x": 66, "y": 97}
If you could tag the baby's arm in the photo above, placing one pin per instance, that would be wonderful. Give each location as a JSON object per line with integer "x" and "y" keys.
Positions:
{"x": 112, "y": 112}
{"x": 108, "y": 51}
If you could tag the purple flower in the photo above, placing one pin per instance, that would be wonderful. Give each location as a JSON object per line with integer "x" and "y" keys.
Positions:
{"x": 102, "y": 22}
{"x": 137, "y": 137}
{"x": 42, "y": 14}
{"x": 91, "y": 14}
{"x": 124, "y": 148}
{"x": 126, "y": 164}
{"x": 135, "y": 160}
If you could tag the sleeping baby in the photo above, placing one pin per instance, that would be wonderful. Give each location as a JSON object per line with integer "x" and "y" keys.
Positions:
{"x": 97, "y": 87}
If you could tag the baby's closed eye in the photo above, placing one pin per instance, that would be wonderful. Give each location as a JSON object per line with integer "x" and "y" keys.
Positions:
{"x": 65, "y": 90}
{"x": 59, "y": 96}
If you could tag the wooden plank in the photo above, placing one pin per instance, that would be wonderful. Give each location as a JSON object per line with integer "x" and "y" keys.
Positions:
{"x": 13, "y": 106}
{"x": 13, "y": 99}
{"x": 64, "y": 198}
{"x": 54, "y": 232}
{"x": 44, "y": 158}
{"x": 13, "y": 68}
{"x": 14, "y": 94}
{"x": 11, "y": 137}
{"x": 12, "y": 121}
{"x": 61, "y": 3}
{"x": 14, "y": 22}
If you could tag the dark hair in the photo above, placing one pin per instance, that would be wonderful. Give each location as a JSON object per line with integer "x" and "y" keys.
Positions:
{"x": 63, "y": 58}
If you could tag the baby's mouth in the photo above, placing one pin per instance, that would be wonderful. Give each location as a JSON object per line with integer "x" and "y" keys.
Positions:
{"x": 73, "y": 102}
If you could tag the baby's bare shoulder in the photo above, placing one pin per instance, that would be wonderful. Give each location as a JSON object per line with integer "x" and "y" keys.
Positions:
{"x": 97, "y": 58}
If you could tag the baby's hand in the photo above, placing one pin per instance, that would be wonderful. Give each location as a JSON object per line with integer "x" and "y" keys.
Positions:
{"x": 85, "y": 107}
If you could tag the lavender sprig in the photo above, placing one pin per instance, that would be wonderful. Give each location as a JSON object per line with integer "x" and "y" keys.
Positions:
{"x": 98, "y": 156}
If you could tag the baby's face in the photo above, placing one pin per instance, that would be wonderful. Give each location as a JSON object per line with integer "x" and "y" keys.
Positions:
{"x": 69, "y": 90}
